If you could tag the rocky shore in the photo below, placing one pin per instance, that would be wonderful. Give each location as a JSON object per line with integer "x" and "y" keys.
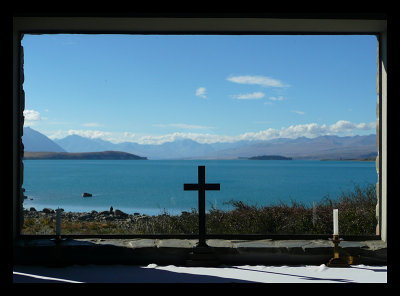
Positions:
{"x": 357, "y": 209}
{"x": 117, "y": 218}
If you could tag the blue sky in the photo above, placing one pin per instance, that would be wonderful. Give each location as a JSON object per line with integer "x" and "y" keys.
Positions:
{"x": 157, "y": 88}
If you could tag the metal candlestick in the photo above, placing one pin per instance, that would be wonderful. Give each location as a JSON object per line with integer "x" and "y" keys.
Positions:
{"x": 338, "y": 261}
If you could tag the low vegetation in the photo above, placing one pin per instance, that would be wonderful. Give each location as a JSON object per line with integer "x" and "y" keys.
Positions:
{"x": 357, "y": 216}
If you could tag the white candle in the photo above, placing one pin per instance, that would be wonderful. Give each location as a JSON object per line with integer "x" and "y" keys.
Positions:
{"x": 335, "y": 222}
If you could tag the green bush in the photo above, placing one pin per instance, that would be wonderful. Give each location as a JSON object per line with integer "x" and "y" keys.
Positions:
{"x": 357, "y": 216}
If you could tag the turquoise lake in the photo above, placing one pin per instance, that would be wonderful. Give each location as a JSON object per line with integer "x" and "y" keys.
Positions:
{"x": 154, "y": 186}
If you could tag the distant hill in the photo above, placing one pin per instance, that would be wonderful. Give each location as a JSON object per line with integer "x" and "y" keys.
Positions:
{"x": 34, "y": 141}
{"x": 75, "y": 143}
{"x": 178, "y": 149}
{"x": 322, "y": 148}
{"x": 104, "y": 155}
{"x": 269, "y": 157}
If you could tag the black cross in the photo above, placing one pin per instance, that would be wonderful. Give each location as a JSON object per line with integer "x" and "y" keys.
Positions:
{"x": 201, "y": 187}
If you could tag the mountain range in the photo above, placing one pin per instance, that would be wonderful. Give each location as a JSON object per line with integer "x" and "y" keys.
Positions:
{"x": 37, "y": 142}
{"x": 104, "y": 155}
{"x": 323, "y": 147}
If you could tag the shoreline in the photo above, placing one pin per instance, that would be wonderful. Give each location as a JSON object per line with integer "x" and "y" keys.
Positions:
{"x": 369, "y": 159}
{"x": 100, "y": 209}
{"x": 103, "y": 155}
{"x": 357, "y": 208}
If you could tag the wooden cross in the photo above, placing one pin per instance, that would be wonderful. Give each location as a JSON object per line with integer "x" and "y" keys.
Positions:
{"x": 201, "y": 187}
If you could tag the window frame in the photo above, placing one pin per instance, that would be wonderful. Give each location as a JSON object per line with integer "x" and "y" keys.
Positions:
{"x": 273, "y": 24}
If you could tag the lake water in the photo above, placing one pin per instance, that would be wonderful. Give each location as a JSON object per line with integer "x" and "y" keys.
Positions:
{"x": 152, "y": 186}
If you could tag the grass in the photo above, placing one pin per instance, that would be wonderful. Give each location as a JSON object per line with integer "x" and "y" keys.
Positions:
{"x": 357, "y": 216}
{"x": 48, "y": 226}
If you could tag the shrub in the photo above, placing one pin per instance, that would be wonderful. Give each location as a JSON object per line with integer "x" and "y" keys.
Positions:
{"x": 356, "y": 217}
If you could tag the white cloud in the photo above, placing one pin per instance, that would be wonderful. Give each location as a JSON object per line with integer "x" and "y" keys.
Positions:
{"x": 57, "y": 134}
{"x": 276, "y": 98}
{"x": 343, "y": 125}
{"x": 31, "y": 117}
{"x": 201, "y": 92}
{"x": 298, "y": 112}
{"x": 184, "y": 126}
{"x": 252, "y": 96}
{"x": 310, "y": 130}
{"x": 92, "y": 134}
{"x": 114, "y": 137}
{"x": 129, "y": 135}
{"x": 201, "y": 138}
{"x": 257, "y": 80}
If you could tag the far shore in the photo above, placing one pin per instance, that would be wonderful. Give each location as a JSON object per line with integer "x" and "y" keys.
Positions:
{"x": 103, "y": 155}
{"x": 369, "y": 159}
